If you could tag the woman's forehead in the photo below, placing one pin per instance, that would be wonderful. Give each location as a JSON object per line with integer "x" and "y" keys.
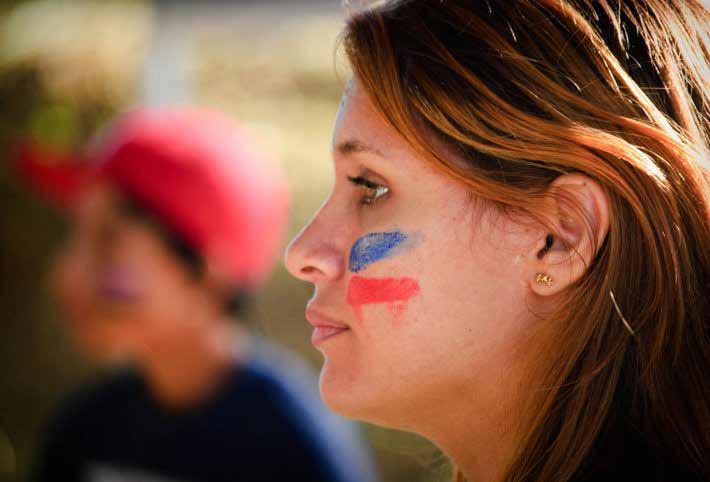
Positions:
{"x": 357, "y": 117}
{"x": 361, "y": 129}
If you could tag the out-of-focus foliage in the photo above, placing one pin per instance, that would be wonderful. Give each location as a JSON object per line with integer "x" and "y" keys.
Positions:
{"x": 86, "y": 52}
{"x": 65, "y": 68}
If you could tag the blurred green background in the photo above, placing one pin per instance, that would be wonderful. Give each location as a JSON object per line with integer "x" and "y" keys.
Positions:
{"x": 65, "y": 68}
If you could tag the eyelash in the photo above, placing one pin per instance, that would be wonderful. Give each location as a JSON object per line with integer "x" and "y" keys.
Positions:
{"x": 372, "y": 192}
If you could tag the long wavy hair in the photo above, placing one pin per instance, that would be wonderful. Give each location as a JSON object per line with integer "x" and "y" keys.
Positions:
{"x": 617, "y": 90}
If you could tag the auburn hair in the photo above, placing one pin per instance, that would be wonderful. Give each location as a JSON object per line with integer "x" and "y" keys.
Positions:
{"x": 617, "y": 90}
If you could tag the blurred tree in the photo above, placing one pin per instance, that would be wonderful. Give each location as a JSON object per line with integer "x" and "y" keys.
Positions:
{"x": 55, "y": 86}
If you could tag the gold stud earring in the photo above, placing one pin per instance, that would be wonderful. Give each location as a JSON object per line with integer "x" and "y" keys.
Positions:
{"x": 544, "y": 278}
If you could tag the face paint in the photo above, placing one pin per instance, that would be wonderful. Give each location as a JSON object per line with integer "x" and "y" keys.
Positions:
{"x": 376, "y": 246}
{"x": 396, "y": 291}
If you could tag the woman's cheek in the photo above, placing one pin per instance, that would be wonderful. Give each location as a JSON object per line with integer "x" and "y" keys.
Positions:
{"x": 392, "y": 291}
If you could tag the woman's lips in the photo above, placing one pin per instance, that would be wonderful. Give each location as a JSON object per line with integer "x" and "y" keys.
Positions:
{"x": 323, "y": 327}
{"x": 322, "y": 333}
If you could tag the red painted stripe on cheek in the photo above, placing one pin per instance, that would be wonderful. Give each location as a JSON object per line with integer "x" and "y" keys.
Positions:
{"x": 363, "y": 291}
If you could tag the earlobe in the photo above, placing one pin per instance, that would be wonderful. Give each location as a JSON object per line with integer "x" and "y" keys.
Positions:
{"x": 578, "y": 224}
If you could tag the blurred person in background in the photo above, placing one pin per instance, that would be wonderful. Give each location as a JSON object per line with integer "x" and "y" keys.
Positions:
{"x": 514, "y": 261}
{"x": 175, "y": 221}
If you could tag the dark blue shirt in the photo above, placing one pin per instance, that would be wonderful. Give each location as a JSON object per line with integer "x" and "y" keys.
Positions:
{"x": 261, "y": 426}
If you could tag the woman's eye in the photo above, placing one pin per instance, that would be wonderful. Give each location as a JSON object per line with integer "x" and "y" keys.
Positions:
{"x": 371, "y": 191}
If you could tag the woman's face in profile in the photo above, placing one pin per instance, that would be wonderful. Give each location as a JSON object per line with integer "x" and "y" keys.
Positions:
{"x": 428, "y": 287}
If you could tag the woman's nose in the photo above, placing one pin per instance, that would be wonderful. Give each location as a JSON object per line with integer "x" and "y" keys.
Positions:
{"x": 314, "y": 254}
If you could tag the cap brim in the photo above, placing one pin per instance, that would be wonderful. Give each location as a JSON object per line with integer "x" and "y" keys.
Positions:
{"x": 58, "y": 177}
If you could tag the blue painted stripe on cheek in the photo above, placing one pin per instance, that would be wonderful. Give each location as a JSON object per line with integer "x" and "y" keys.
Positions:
{"x": 374, "y": 247}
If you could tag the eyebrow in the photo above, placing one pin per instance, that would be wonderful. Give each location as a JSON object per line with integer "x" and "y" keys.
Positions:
{"x": 354, "y": 146}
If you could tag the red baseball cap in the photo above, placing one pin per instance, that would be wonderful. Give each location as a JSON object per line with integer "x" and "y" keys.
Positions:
{"x": 196, "y": 170}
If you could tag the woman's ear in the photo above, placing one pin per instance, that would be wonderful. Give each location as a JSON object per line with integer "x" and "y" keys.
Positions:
{"x": 579, "y": 220}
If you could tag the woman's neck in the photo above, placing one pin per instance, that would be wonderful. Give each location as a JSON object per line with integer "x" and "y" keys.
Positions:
{"x": 477, "y": 429}
{"x": 482, "y": 454}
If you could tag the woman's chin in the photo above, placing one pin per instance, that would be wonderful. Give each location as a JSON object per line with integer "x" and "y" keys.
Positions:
{"x": 342, "y": 392}
{"x": 352, "y": 397}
